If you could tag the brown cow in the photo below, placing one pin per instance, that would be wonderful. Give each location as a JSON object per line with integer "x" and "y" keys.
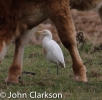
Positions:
{"x": 17, "y": 17}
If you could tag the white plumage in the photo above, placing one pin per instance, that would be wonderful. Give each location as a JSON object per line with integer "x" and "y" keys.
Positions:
{"x": 52, "y": 50}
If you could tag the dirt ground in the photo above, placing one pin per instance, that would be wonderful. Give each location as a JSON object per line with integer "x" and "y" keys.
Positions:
{"x": 87, "y": 22}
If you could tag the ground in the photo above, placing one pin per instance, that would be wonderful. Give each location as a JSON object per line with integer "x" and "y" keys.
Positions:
{"x": 42, "y": 80}
{"x": 89, "y": 23}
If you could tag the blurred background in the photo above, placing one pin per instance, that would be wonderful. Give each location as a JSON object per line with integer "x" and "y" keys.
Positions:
{"x": 87, "y": 22}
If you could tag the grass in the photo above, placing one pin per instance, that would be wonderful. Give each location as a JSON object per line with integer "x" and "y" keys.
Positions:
{"x": 35, "y": 61}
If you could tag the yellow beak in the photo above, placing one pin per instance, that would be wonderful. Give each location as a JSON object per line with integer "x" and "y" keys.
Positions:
{"x": 39, "y": 32}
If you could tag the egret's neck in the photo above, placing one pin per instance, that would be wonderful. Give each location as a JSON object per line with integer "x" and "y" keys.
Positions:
{"x": 46, "y": 39}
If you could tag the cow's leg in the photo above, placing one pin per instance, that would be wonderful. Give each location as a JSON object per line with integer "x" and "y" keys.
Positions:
{"x": 3, "y": 48}
{"x": 16, "y": 67}
{"x": 60, "y": 15}
{"x": 100, "y": 12}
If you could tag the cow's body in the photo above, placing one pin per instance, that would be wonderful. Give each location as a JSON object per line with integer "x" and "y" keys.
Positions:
{"x": 19, "y": 16}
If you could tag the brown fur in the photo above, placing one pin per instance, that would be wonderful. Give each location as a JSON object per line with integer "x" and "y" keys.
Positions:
{"x": 18, "y": 16}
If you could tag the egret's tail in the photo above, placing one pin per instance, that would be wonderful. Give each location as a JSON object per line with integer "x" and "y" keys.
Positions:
{"x": 63, "y": 65}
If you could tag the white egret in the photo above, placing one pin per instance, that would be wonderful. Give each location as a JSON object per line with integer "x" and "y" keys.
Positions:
{"x": 52, "y": 50}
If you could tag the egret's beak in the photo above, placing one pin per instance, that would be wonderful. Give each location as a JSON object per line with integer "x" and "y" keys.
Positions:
{"x": 39, "y": 32}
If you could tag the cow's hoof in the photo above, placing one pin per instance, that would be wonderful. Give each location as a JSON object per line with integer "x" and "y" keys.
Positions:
{"x": 80, "y": 78}
{"x": 10, "y": 81}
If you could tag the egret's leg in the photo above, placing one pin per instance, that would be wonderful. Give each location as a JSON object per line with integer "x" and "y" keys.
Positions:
{"x": 61, "y": 16}
{"x": 57, "y": 69}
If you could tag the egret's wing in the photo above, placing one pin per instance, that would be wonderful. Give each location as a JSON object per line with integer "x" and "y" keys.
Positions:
{"x": 55, "y": 51}
{"x": 50, "y": 57}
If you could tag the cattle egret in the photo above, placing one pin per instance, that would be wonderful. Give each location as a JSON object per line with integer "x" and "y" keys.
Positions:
{"x": 52, "y": 50}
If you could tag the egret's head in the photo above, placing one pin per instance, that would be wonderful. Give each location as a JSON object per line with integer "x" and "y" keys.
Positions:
{"x": 46, "y": 33}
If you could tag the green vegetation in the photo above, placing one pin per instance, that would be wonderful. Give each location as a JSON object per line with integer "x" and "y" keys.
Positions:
{"x": 35, "y": 62}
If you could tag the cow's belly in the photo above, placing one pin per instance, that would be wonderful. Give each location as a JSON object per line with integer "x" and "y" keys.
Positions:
{"x": 34, "y": 18}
